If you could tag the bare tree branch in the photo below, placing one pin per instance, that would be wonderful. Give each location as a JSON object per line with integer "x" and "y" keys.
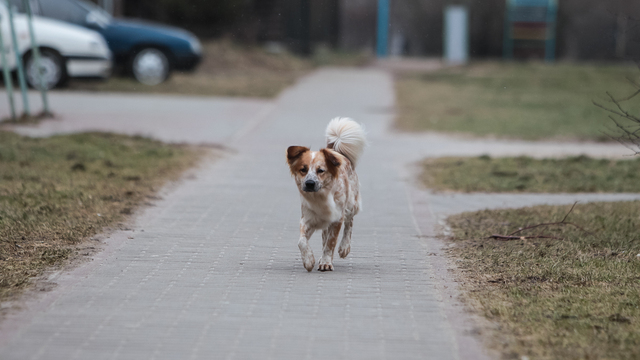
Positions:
{"x": 626, "y": 114}
{"x": 512, "y": 236}
{"x": 627, "y": 125}
{"x": 507, "y": 237}
{"x": 630, "y": 96}
{"x": 633, "y": 82}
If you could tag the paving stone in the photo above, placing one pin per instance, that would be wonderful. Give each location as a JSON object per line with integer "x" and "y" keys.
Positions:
{"x": 217, "y": 272}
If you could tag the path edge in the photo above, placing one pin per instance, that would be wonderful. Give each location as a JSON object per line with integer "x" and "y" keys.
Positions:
{"x": 467, "y": 325}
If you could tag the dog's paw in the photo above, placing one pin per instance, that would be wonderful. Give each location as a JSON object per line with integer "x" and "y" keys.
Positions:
{"x": 308, "y": 261}
{"x": 343, "y": 251}
{"x": 325, "y": 267}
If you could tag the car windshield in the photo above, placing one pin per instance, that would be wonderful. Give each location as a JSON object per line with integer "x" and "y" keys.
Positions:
{"x": 95, "y": 10}
{"x": 17, "y": 5}
{"x": 73, "y": 11}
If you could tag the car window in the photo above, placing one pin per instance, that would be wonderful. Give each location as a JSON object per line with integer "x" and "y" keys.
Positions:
{"x": 65, "y": 10}
{"x": 96, "y": 13}
{"x": 90, "y": 7}
{"x": 17, "y": 4}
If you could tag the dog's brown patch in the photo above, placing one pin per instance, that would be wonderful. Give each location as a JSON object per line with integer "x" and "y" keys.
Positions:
{"x": 298, "y": 158}
{"x": 332, "y": 161}
{"x": 294, "y": 152}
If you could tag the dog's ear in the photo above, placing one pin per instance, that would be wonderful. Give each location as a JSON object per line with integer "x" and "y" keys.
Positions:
{"x": 333, "y": 163}
{"x": 294, "y": 152}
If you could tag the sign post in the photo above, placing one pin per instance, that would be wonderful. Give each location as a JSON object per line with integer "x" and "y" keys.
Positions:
{"x": 382, "y": 48}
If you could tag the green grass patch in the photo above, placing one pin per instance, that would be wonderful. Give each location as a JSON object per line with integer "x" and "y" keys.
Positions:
{"x": 522, "y": 100}
{"x": 525, "y": 174}
{"x": 56, "y": 192}
{"x": 576, "y": 298}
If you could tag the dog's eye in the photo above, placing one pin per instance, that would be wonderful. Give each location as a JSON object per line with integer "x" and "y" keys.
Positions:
{"x": 304, "y": 170}
{"x": 320, "y": 171}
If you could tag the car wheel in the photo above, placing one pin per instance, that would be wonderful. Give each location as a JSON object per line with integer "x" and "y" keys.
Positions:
{"x": 150, "y": 66}
{"x": 53, "y": 70}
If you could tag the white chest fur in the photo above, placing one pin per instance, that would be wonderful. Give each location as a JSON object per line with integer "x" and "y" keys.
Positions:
{"x": 320, "y": 210}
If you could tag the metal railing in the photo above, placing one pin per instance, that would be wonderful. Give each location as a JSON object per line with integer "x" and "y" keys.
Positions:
{"x": 7, "y": 76}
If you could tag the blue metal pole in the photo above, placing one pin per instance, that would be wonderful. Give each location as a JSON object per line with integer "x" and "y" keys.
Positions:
{"x": 8, "y": 83}
{"x": 382, "y": 47}
{"x": 507, "y": 42}
{"x": 35, "y": 51}
{"x": 16, "y": 51}
{"x": 550, "y": 41}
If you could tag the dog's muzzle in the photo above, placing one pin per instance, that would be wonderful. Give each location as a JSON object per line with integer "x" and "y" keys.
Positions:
{"x": 309, "y": 186}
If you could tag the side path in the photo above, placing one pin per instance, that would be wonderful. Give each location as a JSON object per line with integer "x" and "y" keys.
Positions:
{"x": 213, "y": 270}
{"x": 170, "y": 118}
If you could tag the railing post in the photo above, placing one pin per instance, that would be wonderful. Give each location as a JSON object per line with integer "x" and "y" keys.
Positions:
{"x": 16, "y": 51}
{"x": 8, "y": 83}
{"x": 36, "y": 57}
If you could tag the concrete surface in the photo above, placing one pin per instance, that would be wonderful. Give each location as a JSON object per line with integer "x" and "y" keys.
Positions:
{"x": 217, "y": 274}
{"x": 212, "y": 270}
{"x": 168, "y": 118}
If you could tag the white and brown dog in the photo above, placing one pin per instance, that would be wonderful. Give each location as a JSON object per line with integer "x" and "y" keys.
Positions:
{"x": 329, "y": 190}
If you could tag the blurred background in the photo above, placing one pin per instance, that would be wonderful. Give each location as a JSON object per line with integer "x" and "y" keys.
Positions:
{"x": 586, "y": 29}
{"x": 258, "y": 47}
{"x": 561, "y": 72}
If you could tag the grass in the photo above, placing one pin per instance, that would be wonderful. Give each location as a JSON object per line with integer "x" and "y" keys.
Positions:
{"x": 514, "y": 100}
{"x": 57, "y": 192}
{"x": 577, "y": 298}
{"x": 525, "y": 174}
{"x": 228, "y": 69}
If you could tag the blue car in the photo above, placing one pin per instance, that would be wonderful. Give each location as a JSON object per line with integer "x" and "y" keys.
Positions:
{"x": 147, "y": 51}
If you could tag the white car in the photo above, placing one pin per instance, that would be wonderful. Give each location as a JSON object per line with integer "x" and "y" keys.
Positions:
{"x": 66, "y": 50}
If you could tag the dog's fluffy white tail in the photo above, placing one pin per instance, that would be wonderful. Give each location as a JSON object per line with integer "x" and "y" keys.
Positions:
{"x": 346, "y": 137}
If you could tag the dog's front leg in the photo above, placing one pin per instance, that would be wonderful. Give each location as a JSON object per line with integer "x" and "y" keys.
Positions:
{"x": 329, "y": 240}
{"x": 305, "y": 250}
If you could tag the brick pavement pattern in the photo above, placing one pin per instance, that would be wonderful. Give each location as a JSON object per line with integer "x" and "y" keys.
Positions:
{"x": 213, "y": 270}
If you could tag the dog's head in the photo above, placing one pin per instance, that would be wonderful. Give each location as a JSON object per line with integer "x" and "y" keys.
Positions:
{"x": 313, "y": 170}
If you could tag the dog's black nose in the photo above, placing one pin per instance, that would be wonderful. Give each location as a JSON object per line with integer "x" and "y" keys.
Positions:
{"x": 309, "y": 185}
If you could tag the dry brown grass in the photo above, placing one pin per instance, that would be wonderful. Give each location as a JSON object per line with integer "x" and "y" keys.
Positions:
{"x": 57, "y": 192}
{"x": 228, "y": 69}
{"x": 576, "y": 298}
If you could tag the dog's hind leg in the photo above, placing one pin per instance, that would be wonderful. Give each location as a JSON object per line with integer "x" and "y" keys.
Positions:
{"x": 329, "y": 241}
{"x": 305, "y": 250}
{"x": 345, "y": 244}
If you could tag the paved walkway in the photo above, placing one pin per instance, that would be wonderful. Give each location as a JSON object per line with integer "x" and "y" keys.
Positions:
{"x": 169, "y": 118}
{"x": 213, "y": 270}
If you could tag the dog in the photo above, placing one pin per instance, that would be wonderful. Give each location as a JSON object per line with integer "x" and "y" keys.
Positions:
{"x": 329, "y": 190}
